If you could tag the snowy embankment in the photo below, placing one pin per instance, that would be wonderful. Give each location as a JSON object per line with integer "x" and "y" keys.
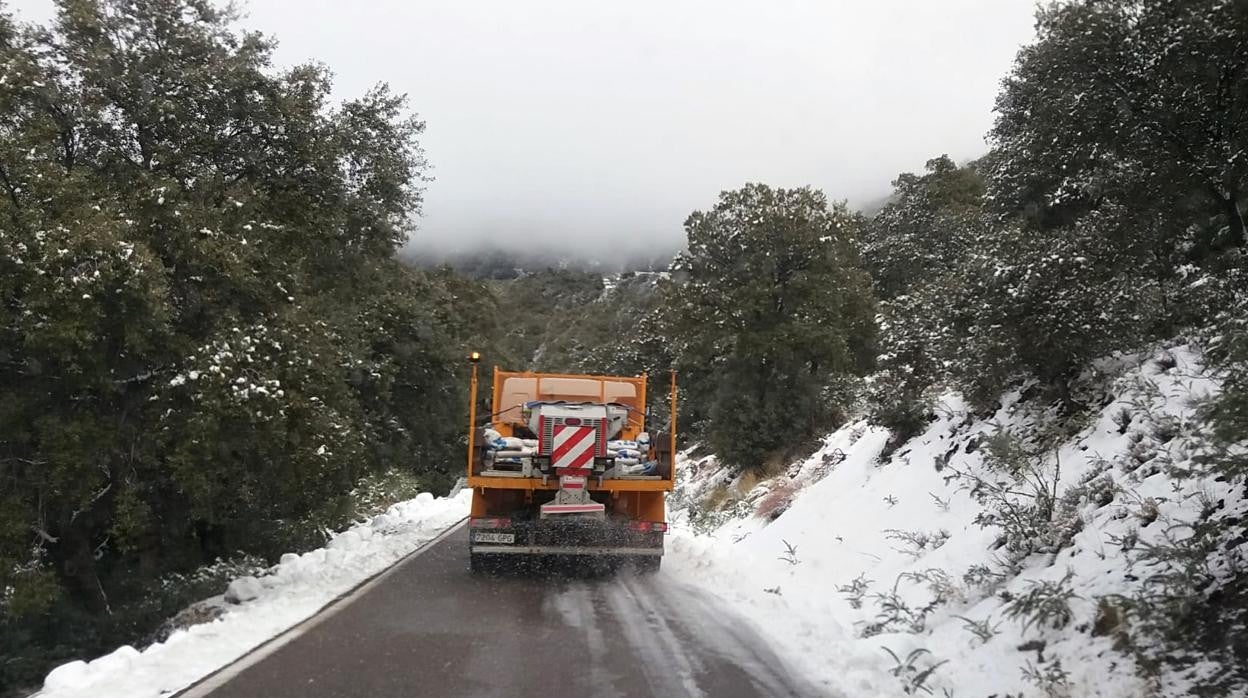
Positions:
{"x": 262, "y": 608}
{"x": 861, "y": 553}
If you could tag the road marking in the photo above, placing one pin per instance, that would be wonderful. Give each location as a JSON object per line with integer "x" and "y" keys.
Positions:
{"x": 259, "y": 653}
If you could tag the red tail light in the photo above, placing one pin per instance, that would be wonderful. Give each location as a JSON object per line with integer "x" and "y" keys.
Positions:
{"x": 648, "y": 526}
{"x": 489, "y": 523}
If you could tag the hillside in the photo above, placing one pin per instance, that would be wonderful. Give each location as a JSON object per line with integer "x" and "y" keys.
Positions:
{"x": 958, "y": 566}
{"x": 570, "y": 321}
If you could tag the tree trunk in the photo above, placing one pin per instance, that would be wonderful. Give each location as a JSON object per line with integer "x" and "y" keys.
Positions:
{"x": 1235, "y": 220}
{"x": 78, "y": 571}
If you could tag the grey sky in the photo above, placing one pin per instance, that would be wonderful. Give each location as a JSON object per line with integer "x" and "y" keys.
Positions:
{"x": 600, "y": 126}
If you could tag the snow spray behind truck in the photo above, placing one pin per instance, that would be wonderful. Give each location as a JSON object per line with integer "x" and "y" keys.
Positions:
{"x": 564, "y": 466}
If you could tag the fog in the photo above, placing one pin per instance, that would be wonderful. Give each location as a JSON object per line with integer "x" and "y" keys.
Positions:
{"x": 598, "y": 127}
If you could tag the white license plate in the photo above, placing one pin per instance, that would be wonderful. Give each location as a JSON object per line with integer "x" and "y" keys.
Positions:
{"x": 485, "y": 537}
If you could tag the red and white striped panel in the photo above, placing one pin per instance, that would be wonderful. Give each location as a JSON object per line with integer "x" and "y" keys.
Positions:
{"x": 573, "y": 447}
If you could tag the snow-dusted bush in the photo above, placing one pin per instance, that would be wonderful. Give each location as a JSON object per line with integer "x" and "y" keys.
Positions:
{"x": 1020, "y": 497}
{"x": 1044, "y": 604}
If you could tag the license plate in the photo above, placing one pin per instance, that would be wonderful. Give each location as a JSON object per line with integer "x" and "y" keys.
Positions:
{"x": 486, "y": 537}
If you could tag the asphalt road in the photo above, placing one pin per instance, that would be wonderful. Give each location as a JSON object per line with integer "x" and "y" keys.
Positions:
{"x": 429, "y": 628}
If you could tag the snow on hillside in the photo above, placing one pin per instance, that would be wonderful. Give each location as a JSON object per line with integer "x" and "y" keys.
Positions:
{"x": 292, "y": 591}
{"x": 871, "y": 555}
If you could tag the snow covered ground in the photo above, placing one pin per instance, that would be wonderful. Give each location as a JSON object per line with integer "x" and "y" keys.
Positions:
{"x": 292, "y": 591}
{"x": 872, "y": 557}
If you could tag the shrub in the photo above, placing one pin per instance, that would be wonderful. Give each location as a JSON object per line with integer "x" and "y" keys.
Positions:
{"x": 1046, "y": 603}
{"x": 1024, "y": 505}
{"x": 913, "y": 677}
{"x": 855, "y": 590}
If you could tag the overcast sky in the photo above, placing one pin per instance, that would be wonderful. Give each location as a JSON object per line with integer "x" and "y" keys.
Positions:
{"x": 601, "y": 125}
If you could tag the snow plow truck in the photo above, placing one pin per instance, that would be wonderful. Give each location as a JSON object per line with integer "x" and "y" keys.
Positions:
{"x": 565, "y": 467}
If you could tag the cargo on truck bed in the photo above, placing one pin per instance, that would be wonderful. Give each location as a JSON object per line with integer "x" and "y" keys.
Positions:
{"x": 564, "y": 465}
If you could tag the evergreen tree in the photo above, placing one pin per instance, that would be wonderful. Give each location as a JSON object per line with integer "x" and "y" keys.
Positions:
{"x": 1139, "y": 102}
{"x": 771, "y": 307}
{"x": 205, "y": 338}
{"x": 976, "y": 302}
{"x": 927, "y": 229}
{"x": 917, "y": 248}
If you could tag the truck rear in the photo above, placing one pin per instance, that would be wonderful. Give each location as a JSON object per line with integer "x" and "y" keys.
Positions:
{"x": 565, "y": 466}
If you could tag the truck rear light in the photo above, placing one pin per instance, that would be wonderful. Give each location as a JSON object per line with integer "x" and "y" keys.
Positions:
{"x": 658, "y": 527}
{"x": 648, "y": 526}
{"x": 489, "y": 523}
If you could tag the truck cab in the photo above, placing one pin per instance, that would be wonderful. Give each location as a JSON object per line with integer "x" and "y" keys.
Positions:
{"x": 565, "y": 466}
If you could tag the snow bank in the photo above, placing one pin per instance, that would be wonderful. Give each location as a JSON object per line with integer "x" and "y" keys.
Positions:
{"x": 823, "y": 573}
{"x": 293, "y": 590}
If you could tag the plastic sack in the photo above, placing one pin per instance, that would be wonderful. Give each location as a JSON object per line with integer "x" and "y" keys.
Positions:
{"x": 648, "y": 468}
{"x": 508, "y": 443}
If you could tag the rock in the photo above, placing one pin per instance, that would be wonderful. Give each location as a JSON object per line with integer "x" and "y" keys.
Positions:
{"x": 200, "y": 612}
{"x": 243, "y": 589}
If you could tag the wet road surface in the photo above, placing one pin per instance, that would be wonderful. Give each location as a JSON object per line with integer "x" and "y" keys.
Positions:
{"x": 429, "y": 628}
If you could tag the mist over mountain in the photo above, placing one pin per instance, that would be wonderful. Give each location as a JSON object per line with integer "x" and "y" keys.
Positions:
{"x": 492, "y": 262}
{"x": 509, "y": 256}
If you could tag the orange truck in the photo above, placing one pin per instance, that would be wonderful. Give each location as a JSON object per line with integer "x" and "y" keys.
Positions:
{"x": 564, "y": 466}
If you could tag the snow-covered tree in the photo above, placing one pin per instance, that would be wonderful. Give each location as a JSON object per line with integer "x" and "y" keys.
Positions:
{"x": 927, "y": 228}
{"x": 974, "y": 301}
{"x": 205, "y": 337}
{"x": 772, "y": 302}
{"x": 1142, "y": 102}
